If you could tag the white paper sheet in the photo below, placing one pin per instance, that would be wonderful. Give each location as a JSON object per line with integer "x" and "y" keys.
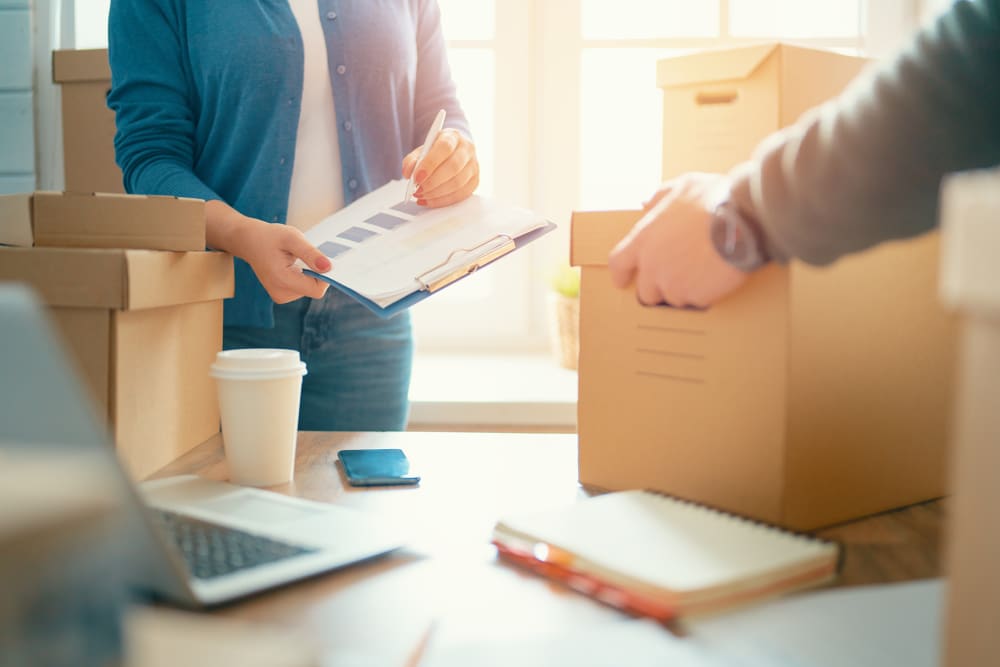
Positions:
{"x": 867, "y": 626}
{"x": 382, "y": 248}
{"x": 864, "y": 626}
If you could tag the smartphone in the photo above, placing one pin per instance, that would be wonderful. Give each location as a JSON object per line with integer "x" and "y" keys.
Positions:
{"x": 377, "y": 467}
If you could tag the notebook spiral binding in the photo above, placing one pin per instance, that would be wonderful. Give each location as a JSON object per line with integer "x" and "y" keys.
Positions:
{"x": 841, "y": 551}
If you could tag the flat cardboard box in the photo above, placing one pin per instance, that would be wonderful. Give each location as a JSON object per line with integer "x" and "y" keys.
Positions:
{"x": 143, "y": 327}
{"x": 808, "y": 397}
{"x": 88, "y": 124}
{"x": 970, "y": 208}
{"x": 718, "y": 104}
{"x": 87, "y": 220}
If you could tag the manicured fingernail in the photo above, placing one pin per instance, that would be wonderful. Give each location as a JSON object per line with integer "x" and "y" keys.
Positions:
{"x": 421, "y": 175}
{"x": 422, "y": 202}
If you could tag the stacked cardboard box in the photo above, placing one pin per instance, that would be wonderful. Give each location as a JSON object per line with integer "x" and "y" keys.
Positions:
{"x": 99, "y": 220}
{"x": 717, "y": 105}
{"x": 143, "y": 324}
{"x": 810, "y": 396}
{"x": 127, "y": 278}
{"x": 88, "y": 124}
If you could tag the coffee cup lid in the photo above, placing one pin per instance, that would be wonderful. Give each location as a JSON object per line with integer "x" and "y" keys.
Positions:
{"x": 257, "y": 364}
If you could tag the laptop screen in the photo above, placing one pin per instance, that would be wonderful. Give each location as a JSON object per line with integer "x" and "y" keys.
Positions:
{"x": 44, "y": 404}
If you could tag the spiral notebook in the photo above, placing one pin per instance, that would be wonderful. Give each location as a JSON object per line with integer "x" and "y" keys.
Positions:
{"x": 662, "y": 557}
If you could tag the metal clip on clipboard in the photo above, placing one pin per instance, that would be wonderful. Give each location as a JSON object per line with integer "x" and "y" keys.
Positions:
{"x": 431, "y": 282}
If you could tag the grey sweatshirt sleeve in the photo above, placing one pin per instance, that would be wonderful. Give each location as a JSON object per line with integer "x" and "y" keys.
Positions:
{"x": 866, "y": 167}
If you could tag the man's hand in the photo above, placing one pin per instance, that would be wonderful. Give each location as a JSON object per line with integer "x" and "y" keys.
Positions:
{"x": 448, "y": 173}
{"x": 669, "y": 252}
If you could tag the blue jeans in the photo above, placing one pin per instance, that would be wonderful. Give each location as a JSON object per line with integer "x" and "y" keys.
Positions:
{"x": 358, "y": 365}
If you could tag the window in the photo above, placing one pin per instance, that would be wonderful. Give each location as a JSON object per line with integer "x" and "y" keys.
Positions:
{"x": 90, "y": 24}
{"x": 491, "y": 309}
{"x": 563, "y": 103}
{"x": 577, "y": 78}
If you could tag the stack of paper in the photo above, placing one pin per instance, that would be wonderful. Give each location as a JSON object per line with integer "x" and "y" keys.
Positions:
{"x": 384, "y": 250}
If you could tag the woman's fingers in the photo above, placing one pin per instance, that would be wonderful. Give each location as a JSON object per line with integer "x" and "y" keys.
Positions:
{"x": 462, "y": 191}
{"x": 463, "y": 178}
{"x": 447, "y": 169}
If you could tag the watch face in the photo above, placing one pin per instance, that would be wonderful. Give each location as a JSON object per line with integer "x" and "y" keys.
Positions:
{"x": 729, "y": 238}
{"x": 733, "y": 240}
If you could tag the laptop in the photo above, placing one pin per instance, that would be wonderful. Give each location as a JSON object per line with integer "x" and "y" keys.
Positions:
{"x": 186, "y": 540}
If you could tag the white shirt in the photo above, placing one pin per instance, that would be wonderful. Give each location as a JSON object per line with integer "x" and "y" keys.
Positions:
{"x": 317, "y": 189}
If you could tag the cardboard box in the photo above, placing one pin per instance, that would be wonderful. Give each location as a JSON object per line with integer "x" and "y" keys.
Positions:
{"x": 143, "y": 327}
{"x": 88, "y": 124}
{"x": 810, "y": 396}
{"x": 717, "y": 105}
{"x": 78, "y": 220}
{"x": 970, "y": 208}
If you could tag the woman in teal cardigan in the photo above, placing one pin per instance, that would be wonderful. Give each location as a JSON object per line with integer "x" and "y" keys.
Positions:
{"x": 278, "y": 113}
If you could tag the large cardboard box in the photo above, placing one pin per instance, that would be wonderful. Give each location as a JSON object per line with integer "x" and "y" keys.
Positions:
{"x": 88, "y": 220}
{"x": 970, "y": 211}
{"x": 810, "y": 396}
{"x": 717, "y": 105}
{"x": 143, "y": 327}
{"x": 88, "y": 124}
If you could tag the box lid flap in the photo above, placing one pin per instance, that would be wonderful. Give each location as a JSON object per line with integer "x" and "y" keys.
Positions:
{"x": 594, "y": 233}
{"x": 119, "y": 279}
{"x": 712, "y": 65}
{"x": 74, "y": 65}
{"x": 157, "y": 278}
{"x": 15, "y": 220}
{"x": 68, "y": 277}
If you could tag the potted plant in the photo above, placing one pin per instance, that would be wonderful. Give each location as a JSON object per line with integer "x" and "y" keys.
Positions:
{"x": 564, "y": 315}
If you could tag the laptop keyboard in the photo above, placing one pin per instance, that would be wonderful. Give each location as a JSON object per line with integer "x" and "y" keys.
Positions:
{"x": 212, "y": 550}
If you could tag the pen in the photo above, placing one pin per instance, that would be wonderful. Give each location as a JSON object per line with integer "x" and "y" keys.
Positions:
{"x": 417, "y": 657}
{"x": 436, "y": 127}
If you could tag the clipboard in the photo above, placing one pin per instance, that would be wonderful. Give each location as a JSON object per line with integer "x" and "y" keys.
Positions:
{"x": 436, "y": 278}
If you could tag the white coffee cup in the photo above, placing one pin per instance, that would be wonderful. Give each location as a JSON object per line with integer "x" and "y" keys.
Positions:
{"x": 259, "y": 403}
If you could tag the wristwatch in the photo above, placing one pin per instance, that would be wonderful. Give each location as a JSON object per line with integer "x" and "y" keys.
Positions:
{"x": 737, "y": 237}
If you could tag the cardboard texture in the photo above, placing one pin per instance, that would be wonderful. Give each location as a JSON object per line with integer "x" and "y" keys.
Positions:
{"x": 971, "y": 283}
{"x": 802, "y": 400}
{"x": 85, "y": 220}
{"x": 143, "y": 327}
{"x": 88, "y": 124}
{"x": 717, "y": 105}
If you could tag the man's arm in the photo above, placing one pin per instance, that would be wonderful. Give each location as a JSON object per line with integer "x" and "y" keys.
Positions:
{"x": 860, "y": 170}
{"x": 867, "y": 167}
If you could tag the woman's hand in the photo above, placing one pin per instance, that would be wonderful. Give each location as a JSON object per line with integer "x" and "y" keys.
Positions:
{"x": 448, "y": 173}
{"x": 270, "y": 250}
